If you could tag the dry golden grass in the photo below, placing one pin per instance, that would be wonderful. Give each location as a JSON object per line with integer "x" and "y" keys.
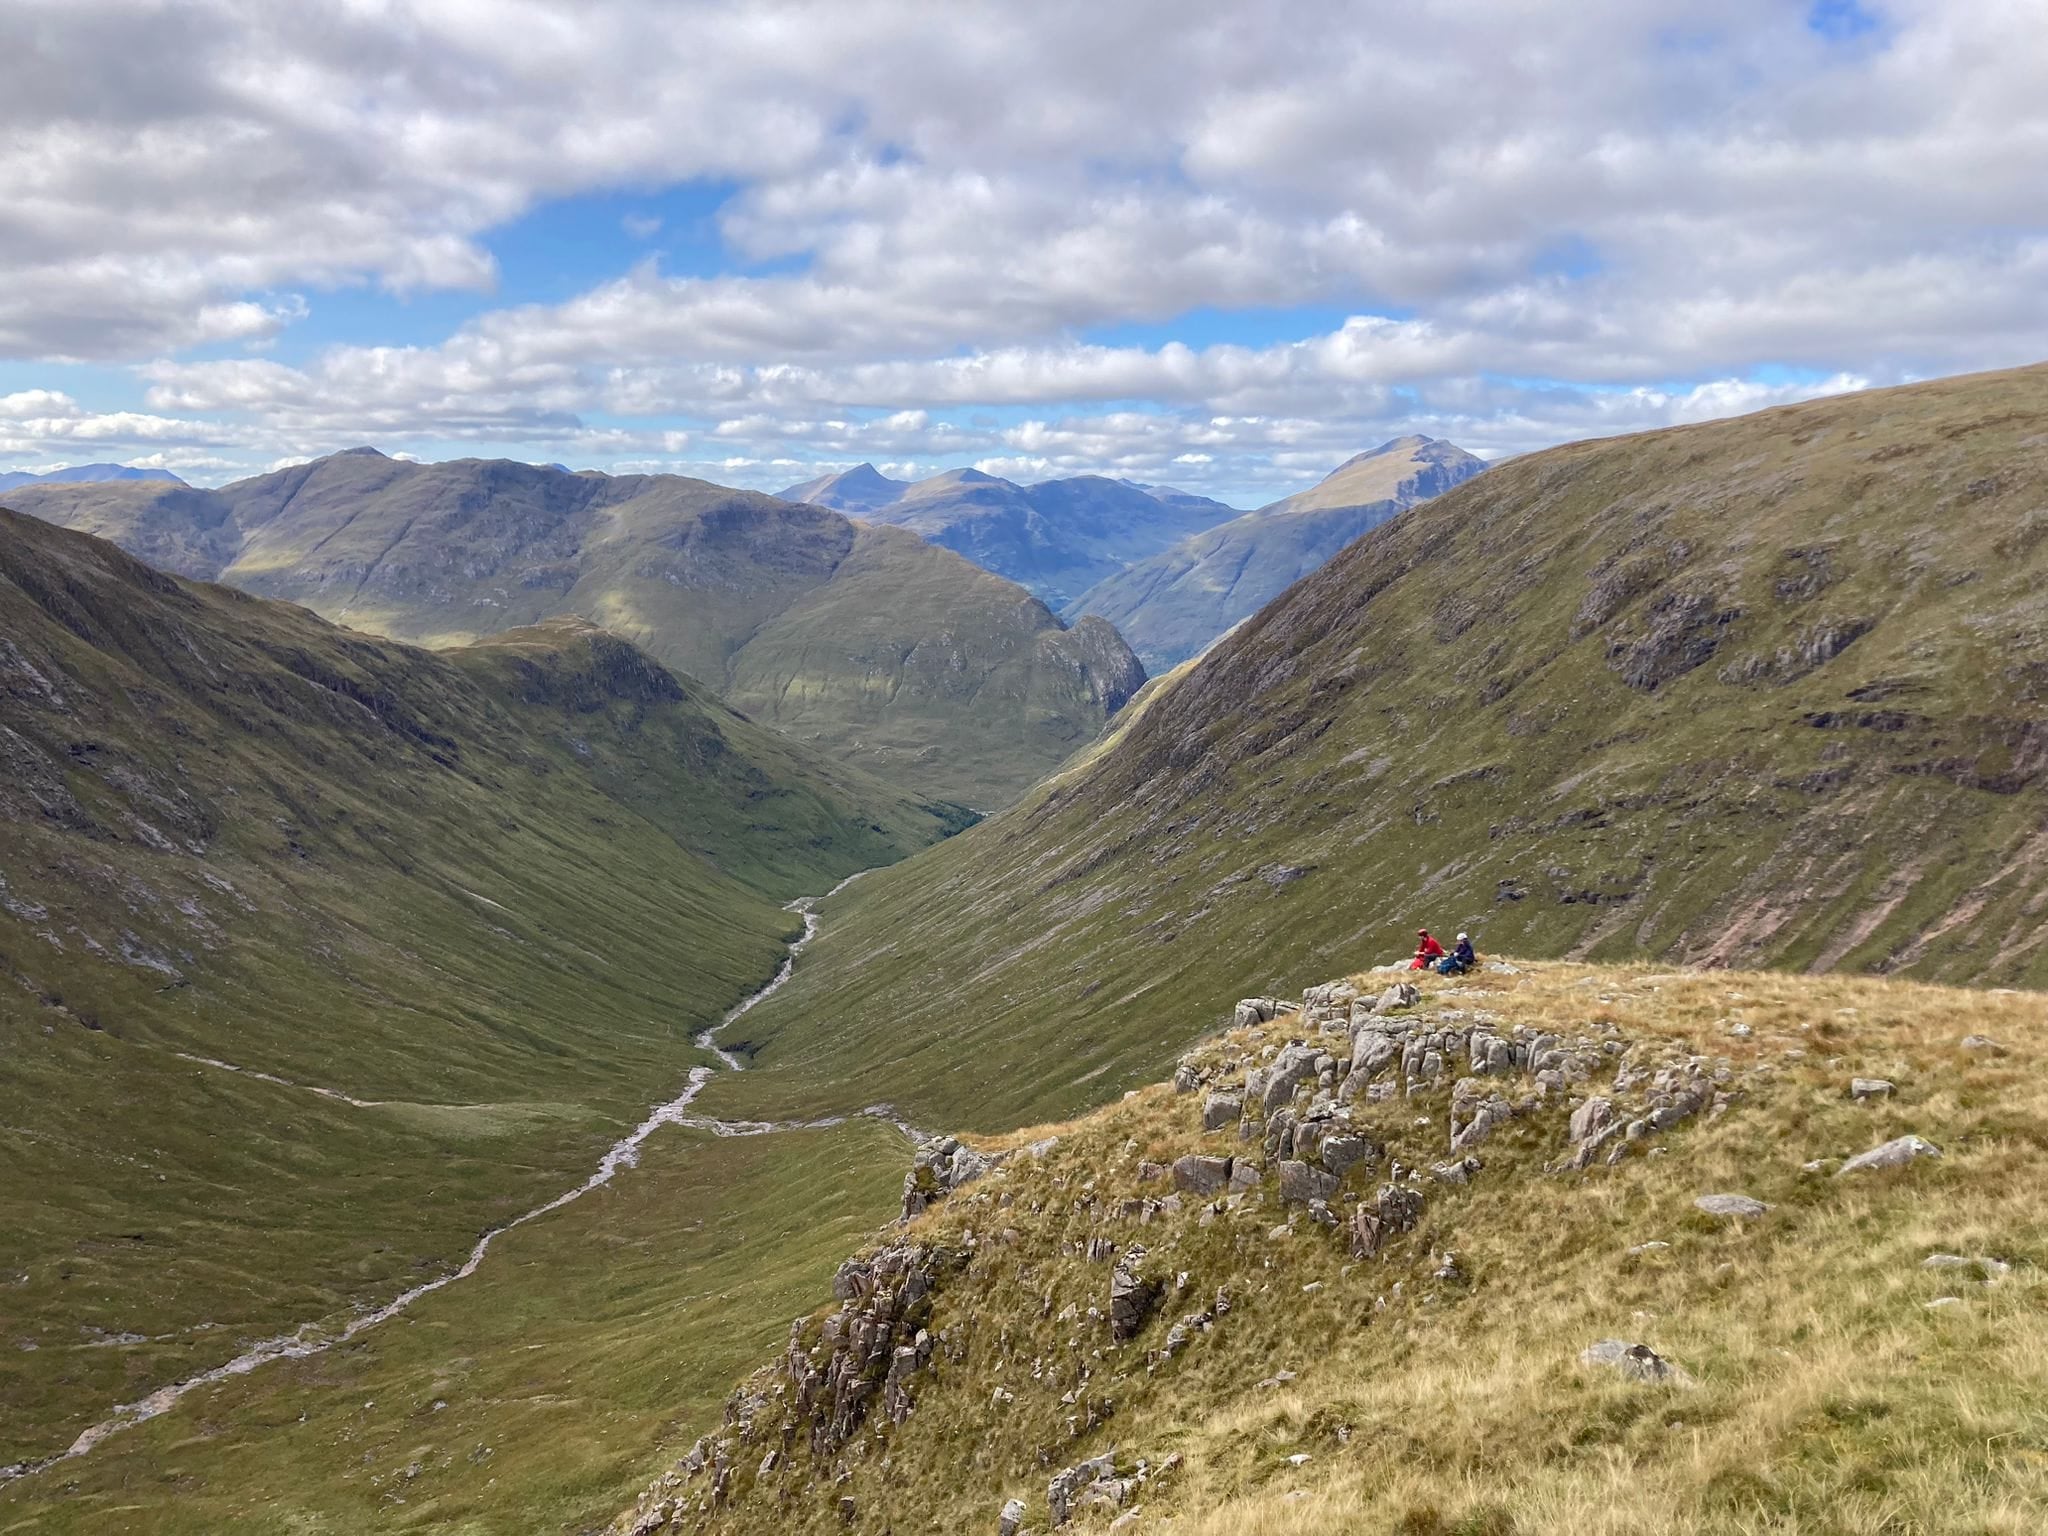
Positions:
{"x": 1828, "y": 1396}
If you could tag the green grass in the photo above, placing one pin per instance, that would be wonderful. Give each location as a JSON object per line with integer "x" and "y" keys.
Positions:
{"x": 501, "y": 888}
{"x": 588, "y": 1342}
{"x": 1436, "y": 728}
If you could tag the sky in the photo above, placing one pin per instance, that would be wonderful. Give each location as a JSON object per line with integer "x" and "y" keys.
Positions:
{"x": 1217, "y": 245}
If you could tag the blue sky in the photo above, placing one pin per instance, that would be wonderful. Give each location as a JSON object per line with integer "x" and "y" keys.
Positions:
{"x": 754, "y": 241}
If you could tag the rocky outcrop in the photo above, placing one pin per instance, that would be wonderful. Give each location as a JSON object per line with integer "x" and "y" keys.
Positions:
{"x": 938, "y": 1169}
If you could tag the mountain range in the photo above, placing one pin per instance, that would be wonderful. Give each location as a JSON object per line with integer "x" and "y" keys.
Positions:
{"x": 1056, "y": 538}
{"x": 1758, "y": 692}
{"x": 85, "y": 473}
{"x": 1174, "y": 603}
{"x": 1091, "y": 1158}
{"x": 862, "y": 640}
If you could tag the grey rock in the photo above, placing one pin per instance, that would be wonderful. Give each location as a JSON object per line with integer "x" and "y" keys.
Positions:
{"x": 1300, "y": 1183}
{"x": 1983, "y": 1043}
{"x": 1131, "y": 1297}
{"x": 1221, "y": 1109}
{"x": 1896, "y": 1153}
{"x": 1402, "y": 994}
{"x": 1274, "y": 1086}
{"x": 1987, "y": 1269}
{"x": 1870, "y": 1088}
{"x": 1637, "y": 1362}
{"x": 1011, "y": 1517}
{"x": 1343, "y": 1152}
{"x": 1744, "y": 1206}
{"x": 1245, "y": 1174}
{"x": 1590, "y": 1119}
{"x": 1066, "y": 1486}
{"x": 1186, "y": 1078}
{"x": 1201, "y": 1175}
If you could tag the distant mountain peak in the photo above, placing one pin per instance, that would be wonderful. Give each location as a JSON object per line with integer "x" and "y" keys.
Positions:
{"x": 87, "y": 474}
{"x": 363, "y": 452}
{"x": 862, "y": 488}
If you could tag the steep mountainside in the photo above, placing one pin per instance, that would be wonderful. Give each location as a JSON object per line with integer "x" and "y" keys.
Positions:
{"x": 320, "y": 954}
{"x": 1761, "y": 692}
{"x": 1550, "y": 1249}
{"x": 1057, "y": 538}
{"x": 76, "y": 473}
{"x": 1172, "y": 605}
{"x": 865, "y": 642}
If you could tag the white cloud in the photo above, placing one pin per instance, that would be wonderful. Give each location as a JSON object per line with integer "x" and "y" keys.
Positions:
{"x": 1538, "y": 216}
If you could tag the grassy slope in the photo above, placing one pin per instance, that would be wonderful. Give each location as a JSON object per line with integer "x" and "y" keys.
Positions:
{"x": 1830, "y": 1398}
{"x": 531, "y": 1397}
{"x": 884, "y": 650}
{"x": 500, "y": 889}
{"x": 1440, "y": 727}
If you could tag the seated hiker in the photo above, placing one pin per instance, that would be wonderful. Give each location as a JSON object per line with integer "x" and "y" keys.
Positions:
{"x": 1427, "y": 951}
{"x": 1459, "y": 959}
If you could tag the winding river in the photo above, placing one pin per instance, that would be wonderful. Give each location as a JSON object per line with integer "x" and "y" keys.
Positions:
{"x": 313, "y": 1338}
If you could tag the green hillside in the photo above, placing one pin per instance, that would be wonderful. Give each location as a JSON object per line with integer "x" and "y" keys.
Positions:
{"x": 482, "y": 899}
{"x": 1760, "y": 692}
{"x": 1173, "y": 604}
{"x": 865, "y": 642}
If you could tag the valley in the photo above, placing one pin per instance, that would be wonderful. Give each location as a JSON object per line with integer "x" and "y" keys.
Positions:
{"x": 1720, "y": 741}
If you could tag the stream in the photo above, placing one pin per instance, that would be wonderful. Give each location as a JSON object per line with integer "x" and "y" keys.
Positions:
{"x": 312, "y": 1339}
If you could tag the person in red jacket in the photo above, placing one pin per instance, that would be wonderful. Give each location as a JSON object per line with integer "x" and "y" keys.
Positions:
{"x": 1427, "y": 951}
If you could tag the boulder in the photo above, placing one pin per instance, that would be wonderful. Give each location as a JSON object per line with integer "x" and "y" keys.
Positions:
{"x": 1346, "y": 1151}
{"x": 1741, "y": 1206}
{"x": 1870, "y": 1088}
{"x": 1983, "y": 1043}
{"x": 1274, "y": 1085}
{"x": 1245, "y": 1174}
{"x": 1201, "y": 1175}
{"x": 1220, "y": 1110}
{"x": 1637, "y": 1362}
{"x": 1590, "y": 1119}
{"x": 1301, "y": 1182}
{"x": 1131, "y": 1297}
{"x": 1895, "y": 1153}
{"x": 1011, "y": 1518}
{"x": 1066, "y": 1486}
{"x": 1402, "y": 994}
